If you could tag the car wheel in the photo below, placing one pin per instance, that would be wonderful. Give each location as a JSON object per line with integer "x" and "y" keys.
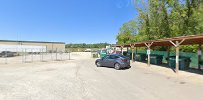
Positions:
{"x": 117, "y": 66}
{"x": 129, "y": 67}
{"x": 98, "y": 64}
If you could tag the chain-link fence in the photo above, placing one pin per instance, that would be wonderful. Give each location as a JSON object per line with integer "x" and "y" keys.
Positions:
{"x": 30, "y": 55}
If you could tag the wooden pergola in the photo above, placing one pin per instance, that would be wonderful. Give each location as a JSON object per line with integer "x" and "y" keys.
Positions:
{"x": 176, "y": 42}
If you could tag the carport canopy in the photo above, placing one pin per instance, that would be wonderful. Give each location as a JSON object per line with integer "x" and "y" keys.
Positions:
{"x": 175, "y": 41}
{"x": 186, "y": 40}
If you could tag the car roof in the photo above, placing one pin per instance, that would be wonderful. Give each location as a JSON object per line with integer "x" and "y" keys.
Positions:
{"x": 115, "y": 55}
{"x": 118, "y": 55}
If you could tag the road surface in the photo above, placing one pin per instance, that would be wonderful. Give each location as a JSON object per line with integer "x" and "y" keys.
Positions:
{"x": 80, "y": 79}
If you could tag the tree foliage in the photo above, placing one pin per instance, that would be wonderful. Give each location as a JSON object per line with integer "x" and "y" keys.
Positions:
{"x": 83, "y": 45}
{"x": 163, "y": 19}
{"x": 127, "y": 32}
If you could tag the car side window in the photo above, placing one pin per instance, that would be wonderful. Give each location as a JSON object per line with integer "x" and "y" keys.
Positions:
{"x": 113, "y": 57}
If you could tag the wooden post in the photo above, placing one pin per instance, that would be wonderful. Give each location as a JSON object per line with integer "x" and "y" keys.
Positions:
{"x": 177, "y": 57}
{"x": 133, "y": 54}
{"x": 148, "y": 51}
{"x": 122, "y": 50}
{"x": 132, "y": 47}
{"x": 177, "y": 44}
{"x": 168, "y": 54}
{"x": 148, "y": 57}
{"x": 199, "y": 56}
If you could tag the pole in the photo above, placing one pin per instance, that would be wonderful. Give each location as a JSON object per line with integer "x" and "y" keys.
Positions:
{"x": 40, "y": 54}
{"x": 25, "y": 55}
{"x": 56, "y": 54}
{"x": 122, "y": 50}
{"x": 52, "y": 55}
{"x": 133, "y": 54}
{"x": 168, "y": 54}
{"x": 22, "y": 53}
{"x": 177, "y": 57}
{"x": 148, "y": 53}
{"x": 61, "y": 53}
{"x": 69, "y": 54}
{"x": 177, "y": 44}
{"x": 6, "y": 57}
{"x": 32, "y": 54}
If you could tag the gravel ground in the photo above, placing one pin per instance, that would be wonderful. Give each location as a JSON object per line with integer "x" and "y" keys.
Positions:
{"x": 80, "y": 79}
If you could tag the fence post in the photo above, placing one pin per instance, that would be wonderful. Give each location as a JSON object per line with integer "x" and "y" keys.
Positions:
{"x": 42, "y": 55}
{"x": 22, "y": 55}
{"x": 52, "y": 55}
{"x": 6, "y": 56}
{"x": 61, "y": 53}
{"x": 25, "y": 55}
{"x": 56, "y": 54}
{"x": 69, "y": 55}
{"x": 32, "y": 54}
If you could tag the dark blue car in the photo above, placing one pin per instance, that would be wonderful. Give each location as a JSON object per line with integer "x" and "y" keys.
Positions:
{"x": 116, "y": 61}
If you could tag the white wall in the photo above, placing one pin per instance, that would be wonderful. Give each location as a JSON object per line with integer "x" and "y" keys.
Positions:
{"x": 22, "y": 48}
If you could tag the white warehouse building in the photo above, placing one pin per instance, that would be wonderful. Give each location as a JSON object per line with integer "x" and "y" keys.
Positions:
{"x": 31, "y": 46}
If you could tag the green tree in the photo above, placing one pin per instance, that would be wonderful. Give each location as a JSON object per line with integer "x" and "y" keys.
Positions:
{"x": 127, "y": 32}
{"x": 163, "y": 19}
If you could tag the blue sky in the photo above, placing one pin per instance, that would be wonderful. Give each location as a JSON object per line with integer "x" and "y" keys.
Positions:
{"x": 70, "y": 21}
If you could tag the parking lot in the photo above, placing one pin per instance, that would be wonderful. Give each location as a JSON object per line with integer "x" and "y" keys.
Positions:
{"x": 79, "y": 79}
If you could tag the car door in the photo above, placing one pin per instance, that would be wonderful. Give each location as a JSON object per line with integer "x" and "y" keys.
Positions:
{"x": 111, "y": 60}
{"x": 105, "y": 61}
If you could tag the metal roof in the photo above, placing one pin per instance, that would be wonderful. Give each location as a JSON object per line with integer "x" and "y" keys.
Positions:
{"x": 187, "y": 40}
{"x": 31, "y": 41}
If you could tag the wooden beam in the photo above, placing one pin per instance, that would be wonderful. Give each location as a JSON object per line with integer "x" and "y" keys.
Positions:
{"x": 177, "y": 43}
{"x": 149, "y": 44}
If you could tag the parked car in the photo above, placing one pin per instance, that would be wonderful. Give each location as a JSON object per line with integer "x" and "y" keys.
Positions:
{"x": 7, "y": 54}
{"x": 116, "y": 61}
